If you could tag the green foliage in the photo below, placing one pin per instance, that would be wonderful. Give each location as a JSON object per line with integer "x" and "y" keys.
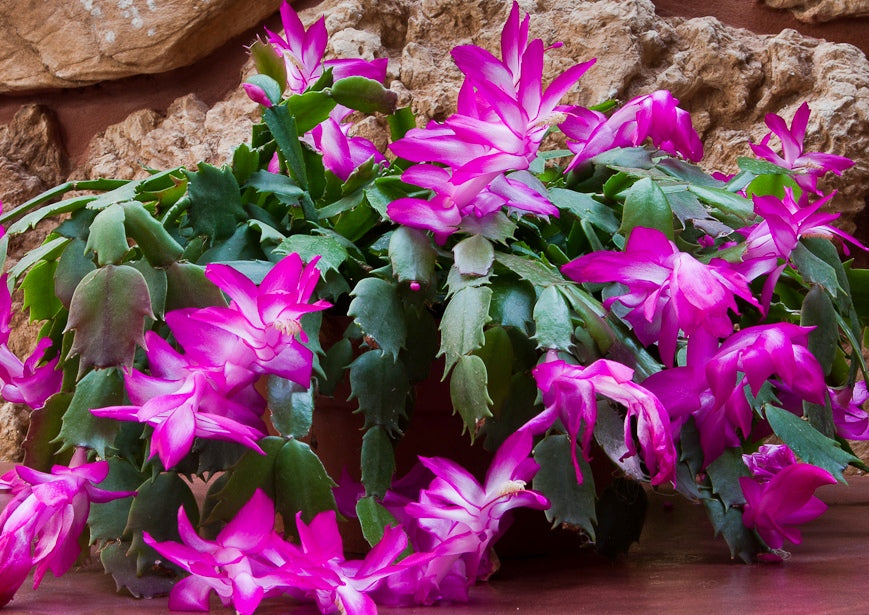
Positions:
{"x": 107, "y": 313}
{"x": 572, "y": 502}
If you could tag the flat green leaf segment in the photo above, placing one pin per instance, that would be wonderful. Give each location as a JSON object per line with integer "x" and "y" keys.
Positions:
{"x": 107, "y": 313}
{"x": 215, "y": 207}
{"x": 377, "y": 310}
{"x": 462, "y": 324}
{"x": 572, "y": 502}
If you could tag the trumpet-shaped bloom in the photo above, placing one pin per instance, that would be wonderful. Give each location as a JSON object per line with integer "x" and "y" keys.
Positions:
{"x": 503, "y": 114}
{"x": 40, "y": 526}
{"x": 668, "y": 290}
{"x": 654, "y": 116}
{"x": 232, "y": 565}
{"x": 342, "y": 585}
{"x": 783, "y": 499}
{"x": 24, "y": 382}
{"x": 467, "y": 205}
{"x": 177, "y": 416}
{"x": 570, "y": 395}
{"x": 302, "y": 51}
{"x": 809, "y": 166}
{"x": 457, "y": 508}
{"x": 851, "y": 420}
{"x": 712, "y": 386}
{"x": 266, "y": 317}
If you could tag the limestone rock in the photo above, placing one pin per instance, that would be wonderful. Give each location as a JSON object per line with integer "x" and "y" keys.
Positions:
{"x": 56, "y": 43}
{"x": 32, "y": 157}
{"x": 190, "y": 132}
{"x": 815, "y": 11}
{"x": 13, "y": 427}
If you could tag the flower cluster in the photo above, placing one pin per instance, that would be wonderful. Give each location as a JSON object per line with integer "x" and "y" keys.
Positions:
{"x": 623, "y": 304}
{"x": 208, "y": 392}
{"x": 41, "y": 525}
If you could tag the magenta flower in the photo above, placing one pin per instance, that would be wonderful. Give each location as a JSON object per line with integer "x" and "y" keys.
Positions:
{"x": 775, "y": 506}
{"x": 342, "y": 585}
{"x": 503, "y": 114}
{"x": 851, "y": 420}
{"x": 231, "y": 566}
{"x": 711, "y": 387}
{"x": 266, "y": 317}
{"x": 654, "y": 116}
{"x": 808, "y": 166}
{"x": 570, "y": 395}
{"x": 465, "y": 206}
{"x": 784, "y": 221}
{"x": 668, "y": 290}
{"x": 25, "y": 382}
{"x": 178, "y": 412}
{"x": 769, "y": 460}
{"x": 302, "y": 51}
{"x": 455, "y": 506}
{"x": 342, "y": 154}
{"x": 41, "y": 525}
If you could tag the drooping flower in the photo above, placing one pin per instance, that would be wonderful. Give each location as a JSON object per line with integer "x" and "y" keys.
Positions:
{"x": 712, "y": 386}
{"x": 849, "y": 416}
{"x": 24, "y": 382}
{"x": 266, "y": 317}
{"x": 808, "y": 166}
{"x": 41, "y": 525}
{"x": 781, "y": 497}
{"x": 230, "y": 566}
{"x": 654, "y": 116}
{"x": 668, "y": 290}
{"x": 570, "y": 395}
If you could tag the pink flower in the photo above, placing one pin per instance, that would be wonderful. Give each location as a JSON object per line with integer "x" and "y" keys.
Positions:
{"x": 667, "y": 290}
{"x": 570, "y": 395}
{"x": 341, "y": 585}
{"x": 809, "y": 166}
{"x": 232, "y": 565}
{"x": 455, "y": 508}
{"x": 303, "y": 49}
{"x": 852, "y": 421}
{"x": 342, "y": 154}
{"x": 654, "y": 116}
{"x": 769, "y": 460}
{"x": 776, "y": 504}
{"x": 712, "y": 386}
{"x": 178, "y": 415}
{"x": 503, "y": 114}
{"x": 266, "y": 317}
{"x": 25, "y": 382}
{"x": 41, "y": 526}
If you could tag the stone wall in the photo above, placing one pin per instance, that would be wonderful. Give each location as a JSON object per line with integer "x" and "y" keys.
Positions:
{"x": 728, "y": 77}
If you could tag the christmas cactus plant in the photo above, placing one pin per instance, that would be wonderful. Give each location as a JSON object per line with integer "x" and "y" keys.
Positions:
{"x": 611, "y": 298}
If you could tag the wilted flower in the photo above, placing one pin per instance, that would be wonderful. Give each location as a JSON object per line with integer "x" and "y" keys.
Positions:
{"x": 570, "y": 395}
